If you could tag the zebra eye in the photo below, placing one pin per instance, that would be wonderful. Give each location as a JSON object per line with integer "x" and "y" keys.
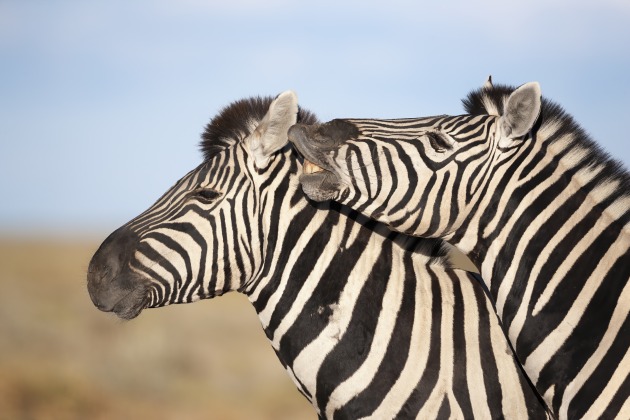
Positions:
{"x": 438, "y": 142}
{"x": 206, "y": 194}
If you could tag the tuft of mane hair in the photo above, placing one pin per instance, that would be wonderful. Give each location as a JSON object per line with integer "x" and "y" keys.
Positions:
{"x": 238, "y": 120}
{"x": 491, "y": 100}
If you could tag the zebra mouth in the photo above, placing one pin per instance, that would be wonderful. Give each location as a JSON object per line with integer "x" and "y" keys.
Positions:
{"x": 126, "y": 295}
{"x": 310, "y": 168}
{"x": 129, "y": 308}
{"x": 319, "y": 181}
{"x": 318, "y": 184}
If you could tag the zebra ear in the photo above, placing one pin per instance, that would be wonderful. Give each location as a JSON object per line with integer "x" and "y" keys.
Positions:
{"x": 488, "y": 84}
{"x": 521, "y": 111}
{"x": 271, "y": 133}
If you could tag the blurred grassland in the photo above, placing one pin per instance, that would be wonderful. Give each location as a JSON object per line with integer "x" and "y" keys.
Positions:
{"x": 60, "y": 358}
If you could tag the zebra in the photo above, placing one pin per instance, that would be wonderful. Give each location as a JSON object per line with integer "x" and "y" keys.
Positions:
{"x": 367, "y": 322}
{"x": 540, "y": 209}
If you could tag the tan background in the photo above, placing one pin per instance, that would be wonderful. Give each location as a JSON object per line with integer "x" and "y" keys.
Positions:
{"x": 60, "y": 358}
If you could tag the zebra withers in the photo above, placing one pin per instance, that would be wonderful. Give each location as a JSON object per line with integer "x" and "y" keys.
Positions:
{"x": 520, "y": 188}
{"x": 366, "y": 322}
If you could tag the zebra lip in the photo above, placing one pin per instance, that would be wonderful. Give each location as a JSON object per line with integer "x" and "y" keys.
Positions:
{"x": 128, "y": 310}
{"x": 130, "y": 305}
{"x": 311, "y": 168}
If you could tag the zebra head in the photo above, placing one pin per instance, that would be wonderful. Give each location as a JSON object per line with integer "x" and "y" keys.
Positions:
{"x": 399, "y": 171}
{"x": 204, "y": 236}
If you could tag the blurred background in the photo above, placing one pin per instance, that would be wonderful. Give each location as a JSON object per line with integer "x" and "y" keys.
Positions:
{"x": 101, "y": 108}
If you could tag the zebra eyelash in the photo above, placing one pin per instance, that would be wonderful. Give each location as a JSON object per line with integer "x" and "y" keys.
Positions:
{"x": 438, "y": 142}
{"x": 206, "y": 195}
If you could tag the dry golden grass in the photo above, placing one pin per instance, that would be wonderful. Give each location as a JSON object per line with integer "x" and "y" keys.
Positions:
{"x": 60, "y": 358}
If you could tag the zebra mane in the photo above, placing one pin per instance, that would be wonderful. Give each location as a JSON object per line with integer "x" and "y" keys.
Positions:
{"x": 492, "y": 100}
{"x": 238, "y": 120}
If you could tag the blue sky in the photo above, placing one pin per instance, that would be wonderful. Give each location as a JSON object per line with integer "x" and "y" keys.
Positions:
{"x": 102, "y": 102}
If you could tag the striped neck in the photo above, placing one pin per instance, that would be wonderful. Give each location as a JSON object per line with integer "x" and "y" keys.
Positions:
{"x": 542, "y": 205}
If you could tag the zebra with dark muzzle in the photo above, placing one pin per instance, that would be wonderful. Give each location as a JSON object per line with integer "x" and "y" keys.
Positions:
{"x": 368, "y": 323}
{"x": 519, "y": 187}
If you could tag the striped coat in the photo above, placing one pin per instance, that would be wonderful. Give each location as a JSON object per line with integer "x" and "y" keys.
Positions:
{"x": 367, "y": 323}
{"x": 518, "y": 186}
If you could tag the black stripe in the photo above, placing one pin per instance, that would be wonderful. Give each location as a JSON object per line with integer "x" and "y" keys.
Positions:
{"x": 460, "y": 353}
{"x": 396, "y": 355}
{"x": 315, "y": 314}
{"x": 488, "y": 357}
{"x": 354, "y": 346}
{"x": 429, "y": 377}
{"x": 585, "y": 339}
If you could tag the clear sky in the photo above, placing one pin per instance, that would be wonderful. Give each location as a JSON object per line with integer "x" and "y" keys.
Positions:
{"x": 102, "y": 102}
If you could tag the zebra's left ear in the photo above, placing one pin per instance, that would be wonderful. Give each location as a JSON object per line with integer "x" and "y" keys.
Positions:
{"x": 271, "y": 133}
{"x": 521, "y": 111}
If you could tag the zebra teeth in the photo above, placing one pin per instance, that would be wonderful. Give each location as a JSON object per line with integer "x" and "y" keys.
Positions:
{"x": 310, "y": 168}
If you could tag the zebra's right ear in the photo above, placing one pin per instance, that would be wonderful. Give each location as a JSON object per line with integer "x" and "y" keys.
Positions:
{"x": 271, "y": 133}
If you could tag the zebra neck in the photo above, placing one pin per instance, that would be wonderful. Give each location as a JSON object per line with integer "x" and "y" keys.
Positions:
{"x": 303, "y": 294}
{"x": 553, "y": 246}
{"x": 326, "y": 241}
{"x": 556, "y": 218}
